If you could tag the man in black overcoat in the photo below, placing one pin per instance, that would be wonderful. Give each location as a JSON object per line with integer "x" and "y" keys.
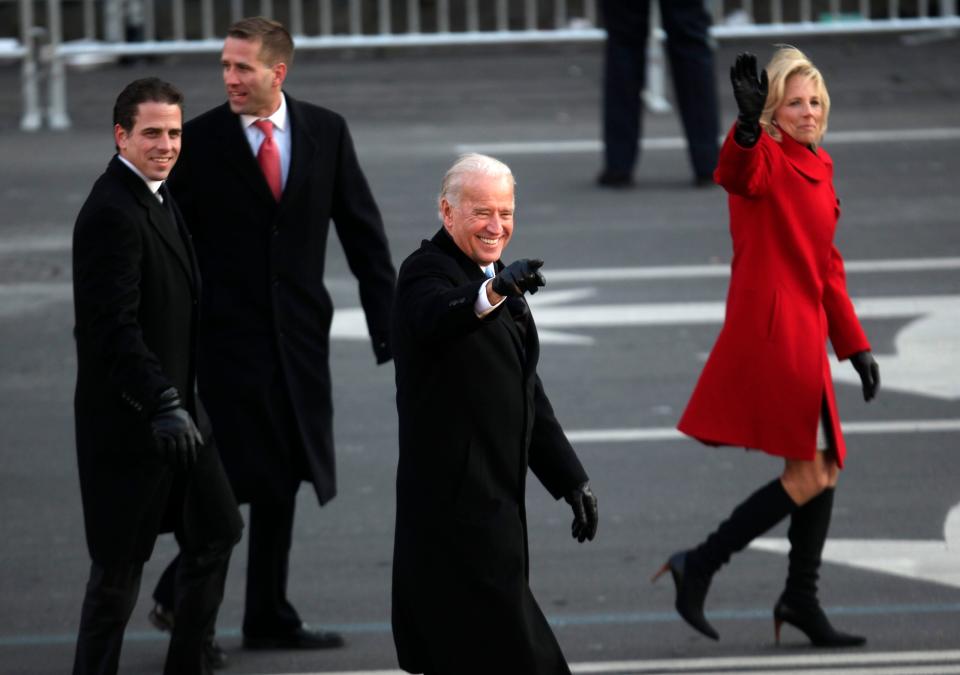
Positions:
{"x": 261, "y": 234}
{"x": 473, "y": 416}
{"x": 145, "y": 466}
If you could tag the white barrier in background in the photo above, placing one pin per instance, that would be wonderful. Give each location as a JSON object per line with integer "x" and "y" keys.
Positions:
{"x": 399, "y": 23}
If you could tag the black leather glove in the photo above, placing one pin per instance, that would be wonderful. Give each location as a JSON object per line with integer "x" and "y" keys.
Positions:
{"x": 869, "y": 371}
{"x": 175, "y": 436}
{"x": 751, "y": 95}
{"x": 585, "y": 514}
{"x": 519, "y": 277}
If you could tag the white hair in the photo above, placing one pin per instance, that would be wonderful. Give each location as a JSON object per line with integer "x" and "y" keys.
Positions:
{"x": 468, "y": 165}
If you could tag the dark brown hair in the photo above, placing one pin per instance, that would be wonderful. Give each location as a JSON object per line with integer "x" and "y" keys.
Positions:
{"x": 276, "y": 45}
{"x": 151, "y": 89}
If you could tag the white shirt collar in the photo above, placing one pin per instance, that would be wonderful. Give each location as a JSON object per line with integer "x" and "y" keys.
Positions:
{"x": 152, "y": 185}
{"x": 279, "y": 116}
{"x": 491, "y": 268}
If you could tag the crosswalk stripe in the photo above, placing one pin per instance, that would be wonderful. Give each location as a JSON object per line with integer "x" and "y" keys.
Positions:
{"x": 849, "y": 429}
{"x": 929, "y": 662}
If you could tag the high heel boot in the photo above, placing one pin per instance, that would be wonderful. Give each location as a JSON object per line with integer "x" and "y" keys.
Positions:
{"x": 798, "y": 604}
{"x": 692, "y": 570}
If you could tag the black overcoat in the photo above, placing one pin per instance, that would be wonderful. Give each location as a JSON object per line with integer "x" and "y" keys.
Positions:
{"x": 267, "y": 314}
{"x": 473, "y": 416}
{"x": 136, "y": 289}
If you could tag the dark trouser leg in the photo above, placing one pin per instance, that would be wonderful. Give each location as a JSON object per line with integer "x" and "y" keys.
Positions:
{"x": 798, "y": 605}
{"x": 687, "y": 25}
{"x": 199, "y": 592}
{"x": 110, "y": 597}
{"x": 164, "y": 592}
{"x": 623, "y": 79}
{"x": 268, "y": 612}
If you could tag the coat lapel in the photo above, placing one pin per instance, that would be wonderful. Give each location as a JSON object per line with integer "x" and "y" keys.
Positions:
{"x": 303, "y": 150}
{"x": 505, "y": 315}
{"x": 164, "y": 222}
{"x": 235, "y": 147}
{"x": 816, "y": 166}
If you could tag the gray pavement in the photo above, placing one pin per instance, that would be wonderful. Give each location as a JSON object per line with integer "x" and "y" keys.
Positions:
{"x": 410, "y": 113}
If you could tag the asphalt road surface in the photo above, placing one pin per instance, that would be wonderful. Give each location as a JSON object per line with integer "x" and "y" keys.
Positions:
{"x": 636, "y": 280}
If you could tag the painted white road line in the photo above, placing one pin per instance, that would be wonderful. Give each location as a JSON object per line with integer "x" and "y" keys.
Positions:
{"x": 551, "y": 147}
{"x": 925, "y": 361}
{"x": 639, "y": 435}
{"x": 655, "y": 272}
{"x": 917, "y": 662}
{"x": 934, "y": 561}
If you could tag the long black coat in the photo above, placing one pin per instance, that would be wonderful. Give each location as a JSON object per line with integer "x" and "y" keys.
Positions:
{"x": 136, "y": 290}
{"x": 267, "y": 314}
{"x": 473, "y": 417}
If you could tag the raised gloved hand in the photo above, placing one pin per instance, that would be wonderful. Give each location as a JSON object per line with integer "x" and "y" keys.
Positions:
{"x": 175, "y": 436}
{"x": 585, "y": 514}
{"x": 751, "y": 95}
{"x": 519, "y": 277}
{"x": 869, "y": 371}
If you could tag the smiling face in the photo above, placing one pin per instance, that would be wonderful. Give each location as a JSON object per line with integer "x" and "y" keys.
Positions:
{"x": 253, "y": 87}
{"x": 801, "y": 113}
{"x": 481, "y": 221}
{"x": 153, "y": 144}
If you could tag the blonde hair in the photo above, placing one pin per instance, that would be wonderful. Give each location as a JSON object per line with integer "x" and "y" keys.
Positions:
{"x": 468, "y": 165}
{"x": 788, "y": 61}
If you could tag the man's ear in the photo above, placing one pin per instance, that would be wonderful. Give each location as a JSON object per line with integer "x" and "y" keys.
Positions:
{"x": 446, "y": 209}
{"x": 280, "y": 74}
{"x": 119, "y": 136}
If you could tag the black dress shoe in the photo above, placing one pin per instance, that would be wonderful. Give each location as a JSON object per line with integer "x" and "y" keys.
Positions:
{"x": 302, "y": 637}
{"x": 614, "y": 179}
{"x": 213, "y": 655}
{"x": 162, "y": 618}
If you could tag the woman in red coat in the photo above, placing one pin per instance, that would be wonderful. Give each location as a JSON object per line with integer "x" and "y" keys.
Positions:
{"x": 767, "y": 384}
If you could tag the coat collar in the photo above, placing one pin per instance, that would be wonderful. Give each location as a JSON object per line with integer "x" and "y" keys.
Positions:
{"x": 158, "y": 215}
{"x": 445, "y": 242}
{"x": 815, "y": 165}
{"x": 236, "y": 149}
{"x": 525, "y": 341}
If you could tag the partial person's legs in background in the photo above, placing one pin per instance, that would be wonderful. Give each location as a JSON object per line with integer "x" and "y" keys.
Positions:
{"x": 627, "y": 25}
{"x": 110, "y": 598}
{"x": 687, "y": 25}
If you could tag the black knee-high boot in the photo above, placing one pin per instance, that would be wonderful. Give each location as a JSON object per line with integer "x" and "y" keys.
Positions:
{"x": 692, "y": 570}
{"x": 798, "y": 605}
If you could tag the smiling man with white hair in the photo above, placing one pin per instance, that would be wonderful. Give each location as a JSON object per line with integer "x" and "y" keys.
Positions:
{"x": 473, "y": 417}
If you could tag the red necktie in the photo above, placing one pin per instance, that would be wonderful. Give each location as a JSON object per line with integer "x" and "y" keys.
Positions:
{"x": 268, "y": 157}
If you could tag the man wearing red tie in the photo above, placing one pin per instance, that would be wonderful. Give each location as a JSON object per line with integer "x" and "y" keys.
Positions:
{"x": 263, "y": 176}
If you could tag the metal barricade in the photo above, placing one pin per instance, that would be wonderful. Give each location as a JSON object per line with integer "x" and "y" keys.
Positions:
{"x": 364, "y": 24}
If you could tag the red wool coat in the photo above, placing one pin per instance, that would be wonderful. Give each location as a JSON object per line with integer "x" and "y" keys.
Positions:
{"x": 764, "y": 381}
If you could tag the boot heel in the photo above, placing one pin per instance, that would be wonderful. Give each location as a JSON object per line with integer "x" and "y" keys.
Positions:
{"x": 777, "y": 624}
{"x": 660, "y": 572}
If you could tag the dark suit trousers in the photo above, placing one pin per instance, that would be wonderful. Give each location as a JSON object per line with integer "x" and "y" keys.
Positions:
{"x": 112, "y": 593}
{"x": 686, "y": 24}
{"x": 270, "y": 532}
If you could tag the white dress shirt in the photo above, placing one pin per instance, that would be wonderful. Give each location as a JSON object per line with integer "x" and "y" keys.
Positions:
{"x": 281, "y": 135}
{"x": 152, "y": 185}
{"x": 482, "y": 306}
